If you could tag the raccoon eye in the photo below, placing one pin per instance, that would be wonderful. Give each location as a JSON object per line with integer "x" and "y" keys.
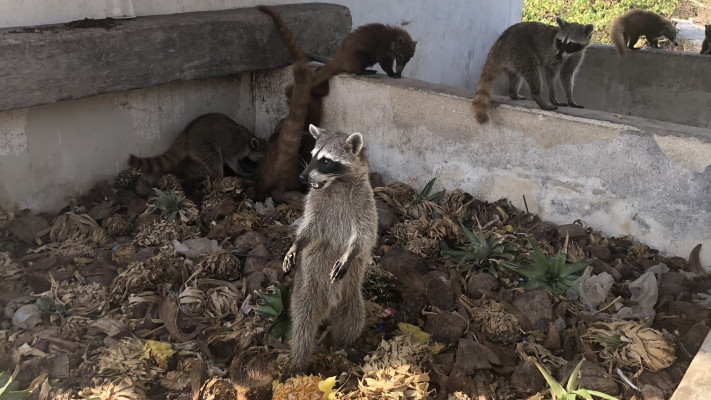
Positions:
{"x": 326, "y": 161}
{"x": 558, "y": 43}
{"x": 400, "y": 58}
{"x": 573, "y": 47}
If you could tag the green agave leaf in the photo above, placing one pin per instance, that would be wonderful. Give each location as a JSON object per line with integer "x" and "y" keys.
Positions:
{"x": 428, "y": 187}
{"x": 278, "y": 329}
{"x": 582, "y": 393}
{"x": 557, "y": 263}
{"x": 437, "y": 196}
{"x": 533, "y": 284}
{"x": 467, "y": 233}
{"x": 539, "y": 259}
{"x": 556, "y": 389}
{"x": 266, "y": 311}
{"x": 575, "y": 267}
{"x": 532, "y": 273}
{"x": 600, "y": 394}
{"x": 574, "y": 377}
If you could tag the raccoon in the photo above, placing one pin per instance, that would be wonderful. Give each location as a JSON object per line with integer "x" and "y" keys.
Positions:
{"x": 208, "y": 143}
{"x": 333, "y": 244}
{"x": 706, "y": 45}
{"x": 367, "y": 45}
{"x": 626, "y": 29}
{"x": 278, "y": 171}
{"x": 526, "y": 48}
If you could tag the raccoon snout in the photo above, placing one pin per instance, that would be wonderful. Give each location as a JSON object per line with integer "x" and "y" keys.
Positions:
{"x": 303, "y": 178}
{"x": 559, "y": 56}
{"x": 676, "y": 43}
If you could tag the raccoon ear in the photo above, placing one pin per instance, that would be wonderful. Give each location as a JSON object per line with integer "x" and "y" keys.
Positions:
{"x": 589, "y": 30}
{"x": 560, "y": 22}
{"x": 315, "y": 132}
{"x": 355, "y": 141}
{"x": 414, "y": 44}
{"x": 256, "y": 145}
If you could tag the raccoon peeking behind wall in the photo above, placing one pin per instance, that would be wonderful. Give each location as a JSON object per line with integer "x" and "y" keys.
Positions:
{"x": 526, "y": 48}
{"x": 333, "y": 244}
{"x": 626, "y": 30}
{"x": 208, "y": 143}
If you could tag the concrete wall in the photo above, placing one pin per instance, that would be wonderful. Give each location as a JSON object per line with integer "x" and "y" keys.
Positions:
{"x": 647, "y": 179}
{"x": 52, "y": 151}
{"x": 453, "y": 36}
{"x": 671, "y": 86}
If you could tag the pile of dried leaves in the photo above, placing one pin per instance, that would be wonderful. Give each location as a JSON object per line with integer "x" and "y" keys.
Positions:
{"x": 131, "y": 293}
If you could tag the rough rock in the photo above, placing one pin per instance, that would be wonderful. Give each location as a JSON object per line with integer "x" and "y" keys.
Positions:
{"x": 537, "y": 306}
{"x": 261, "y": 257}
{"x": 695, "y": 337}
{"x": 527, "y": 378}
{"x": 385, "y": 215}
{"x": 247, "y": 241}
{"x": 402, "y": 264}
{"x": 446, "y": 327}
{"x": 477, "y": 283}
{"x": 443, "y": 289}
{"x": 592, "y": 377}
{"x": 27, "y": 227}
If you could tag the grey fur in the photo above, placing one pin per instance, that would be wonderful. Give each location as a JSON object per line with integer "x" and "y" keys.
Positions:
{"x": 333, "y": 245}
{"x": 527, "y": 49}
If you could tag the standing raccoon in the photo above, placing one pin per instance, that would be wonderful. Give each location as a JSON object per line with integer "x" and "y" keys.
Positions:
{"x": 367, "y": 45}
{"x": 526, "y": 48}
{"x": 333, "y": 244}
{"x": 626, "y": 29}
{"x": 706, "y": 45}
{"x": 207, "y": 143}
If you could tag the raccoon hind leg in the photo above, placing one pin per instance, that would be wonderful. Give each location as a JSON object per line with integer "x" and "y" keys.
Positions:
{"x": 348, "y": 315}
{"x": 567, "y": 78}
{"x": 308, "y": 309}
{"x": 514, "y": 85}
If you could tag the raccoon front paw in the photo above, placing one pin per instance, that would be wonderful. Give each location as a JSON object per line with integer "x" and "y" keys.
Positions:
{"x": 517, "y": 97}
{"x": 370, "y": 72}
{"x": 558, "y": 103}
{"x": 289, "y": 260}
{"x": 549, "y": 107}
{"x": 575, "y": 105}
{"x": 339, "y": 270}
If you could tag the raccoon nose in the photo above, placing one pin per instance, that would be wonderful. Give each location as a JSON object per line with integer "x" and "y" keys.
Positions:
{"x": 559, "y": 56}
{"x": 303, "y": 178}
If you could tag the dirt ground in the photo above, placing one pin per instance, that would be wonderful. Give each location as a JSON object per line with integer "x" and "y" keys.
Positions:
{"x": 127, "y": 294}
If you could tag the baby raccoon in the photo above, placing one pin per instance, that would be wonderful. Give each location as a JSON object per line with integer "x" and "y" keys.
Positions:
{"x": 206, "y": 144}
{"x": 706, "y": 45}
{"x": 526, "y": 48}
{"x": 333, "y": 244}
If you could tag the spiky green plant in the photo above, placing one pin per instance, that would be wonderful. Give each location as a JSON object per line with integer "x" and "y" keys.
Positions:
{"x": 425, "y": 195}
{"x": 168, "y": 203}
{"x": 552, "y": 274}
{"x": 483, "y": 251}
{"x": 274, "y": 303}
{"x": 572, "y": 389}
{"x": 6, "y": 386}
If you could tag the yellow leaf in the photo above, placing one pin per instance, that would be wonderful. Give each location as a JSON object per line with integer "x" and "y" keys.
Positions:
{"x": 158, "y": 351}
{"x": 326, "y": 386}
{"x": 414, "y": 331}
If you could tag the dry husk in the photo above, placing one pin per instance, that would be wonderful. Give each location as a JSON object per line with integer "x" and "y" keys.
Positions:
{"x": 192, "y": 301}
{"x": 123, "y": 359}
{"x": 79, "y": 299}
{"x": 10, "y": 273}
{"x": 162, "y": 233}
{"x": 540, "y": 353}
{"x": 147, "y": 275}
{"x": 222, "y": 264}
{"x": 500, "y": 325}
{"x": 117, "y": 225}
{"x": 246, "y": 217}
{"x": 120, "y": 389}
{"x": 79, "y": 227}
{"x": 640, "y": 346}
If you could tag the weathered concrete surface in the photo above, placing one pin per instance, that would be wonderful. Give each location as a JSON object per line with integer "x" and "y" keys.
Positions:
{"x": 57, "y": 150}
{"x": 696, "y": 381}
{"x": 58, "y": 63}
{"x": 663, "y": 85}
{"x": 454, "y": 35}
{"x": 621, "y": 175}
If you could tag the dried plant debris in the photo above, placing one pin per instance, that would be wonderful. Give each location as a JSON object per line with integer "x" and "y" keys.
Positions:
{"x": 140, "y": 293}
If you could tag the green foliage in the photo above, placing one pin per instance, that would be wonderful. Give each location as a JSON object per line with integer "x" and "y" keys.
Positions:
{"x": 425, "y": 194}
{"x": 168, "y": 203}
{"x": 572, "y": 389}
{"x": 600, "y": 13}
{"x": 6, "y": 386}
{"x": 483, "y": 251}
{"x": 274, "y": 303}
{"x": 553, "y": 274}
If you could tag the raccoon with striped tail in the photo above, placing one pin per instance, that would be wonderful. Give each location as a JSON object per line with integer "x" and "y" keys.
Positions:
{"x": 525, "y": 48}
{"x": 706, "y": 44}
{"x": 278, "y": 170}
{"x": 206, "y": 144}
{"x": 333, "y": 244}
{"x": 627, "y": 28}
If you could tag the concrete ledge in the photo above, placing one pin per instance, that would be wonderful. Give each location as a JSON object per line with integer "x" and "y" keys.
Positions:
{"x": 659, "y": 84}
{"x": 46, "y": 64}
{"x": 621, "y": 175}
{"x": 696, "y": 381}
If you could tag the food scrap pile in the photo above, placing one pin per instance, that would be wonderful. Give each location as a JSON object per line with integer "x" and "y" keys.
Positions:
{"x": 132, "y": 293}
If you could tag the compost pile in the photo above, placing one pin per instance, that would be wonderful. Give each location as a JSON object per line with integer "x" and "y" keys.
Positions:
{"x": 133, "y": 293}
